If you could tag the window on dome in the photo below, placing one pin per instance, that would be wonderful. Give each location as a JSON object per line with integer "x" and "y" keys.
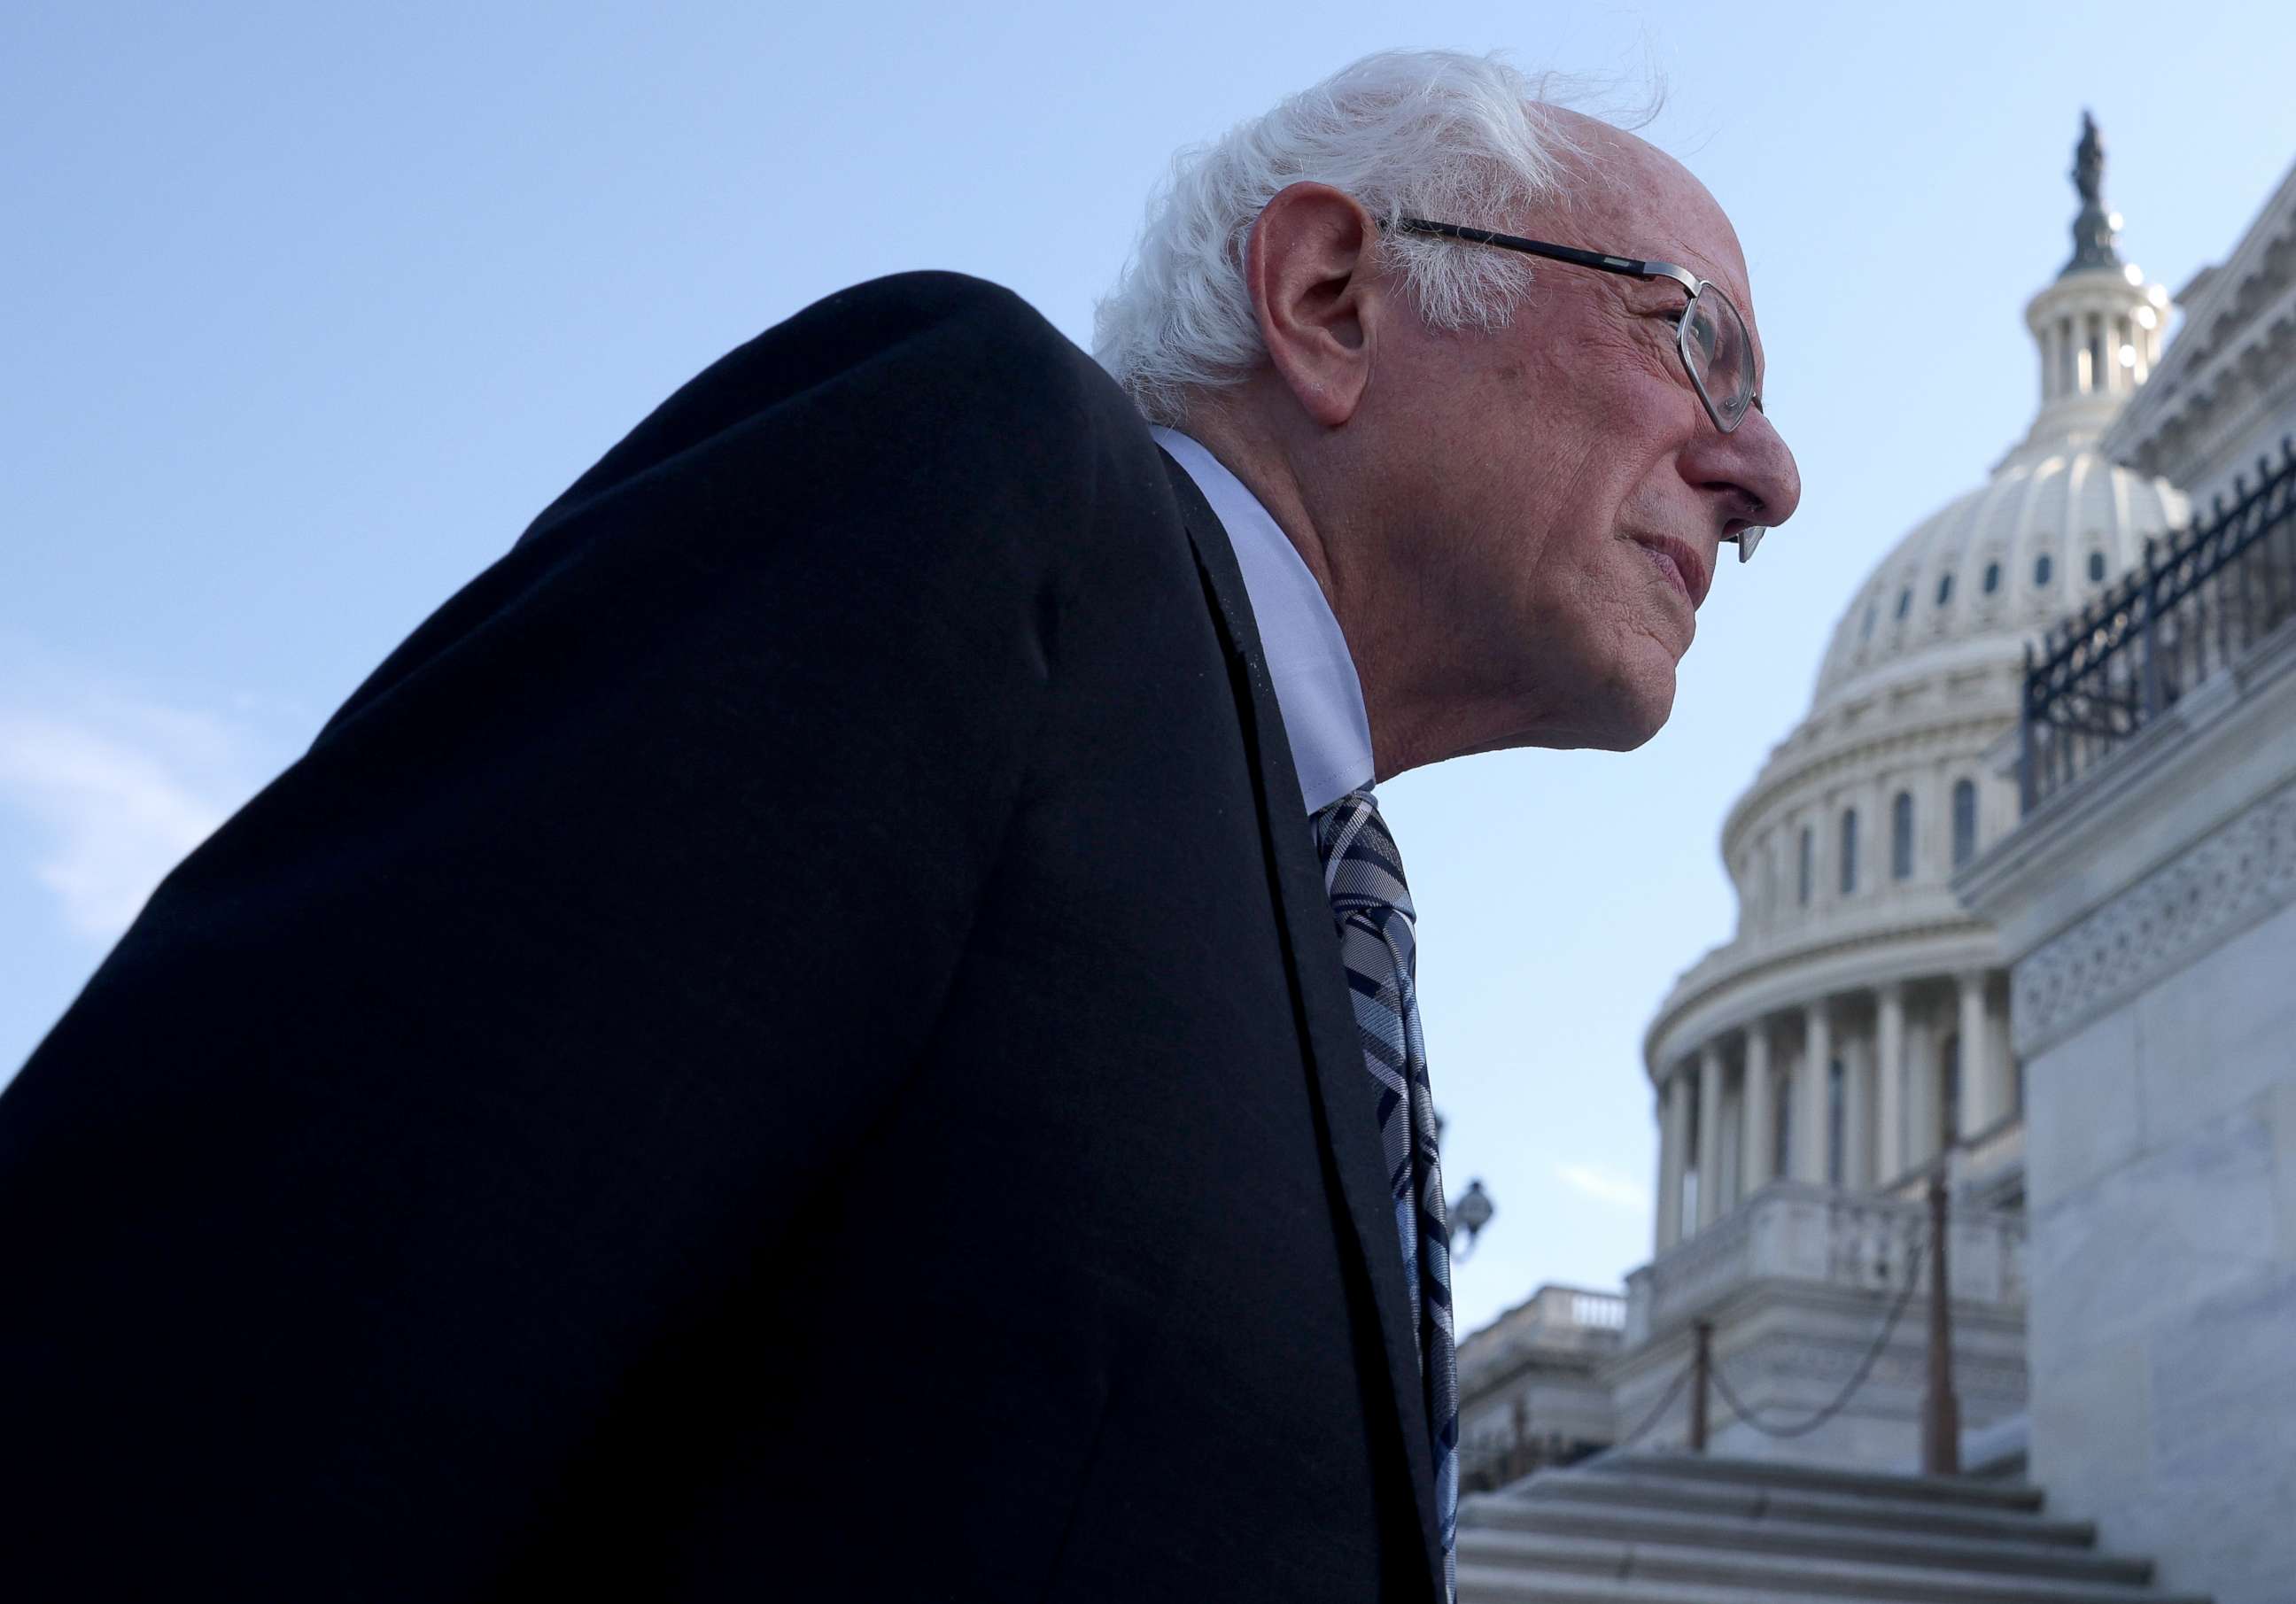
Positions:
{"x": 1992, "y": 578}
{"x": 1905, "y": 600}
{"x": 2042, "y": 569}
{"x": 1802, "y": 877}
{"x": 2097, "y": 567}
{"x": 1965, "y": 822}
{"x": 1866, "y": 631}
{"x": 1901, "y": 837}
{"x": 1849, "y": 850}
{"x": 1945, "y": 589}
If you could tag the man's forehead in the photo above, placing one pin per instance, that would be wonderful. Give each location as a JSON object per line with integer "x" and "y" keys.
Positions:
{"x": 1627, "y": 196}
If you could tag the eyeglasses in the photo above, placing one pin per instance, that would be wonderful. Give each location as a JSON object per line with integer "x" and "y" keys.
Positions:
{"x": 1710, "y": 335}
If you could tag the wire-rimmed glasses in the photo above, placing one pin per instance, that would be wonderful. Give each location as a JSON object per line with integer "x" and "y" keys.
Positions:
{"x": 1710, "y": 335}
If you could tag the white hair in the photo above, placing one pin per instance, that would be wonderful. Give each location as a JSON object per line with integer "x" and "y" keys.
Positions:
{"x": 1410, "y": 133}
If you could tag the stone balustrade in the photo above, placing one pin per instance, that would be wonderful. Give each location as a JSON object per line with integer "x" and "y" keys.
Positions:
{"x": 1529, "y": 1391}
{"x": 1555, "y": 1319}
{"x": 1817, "y": 1236}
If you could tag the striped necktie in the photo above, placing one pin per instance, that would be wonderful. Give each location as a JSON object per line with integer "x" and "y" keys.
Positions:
{"x": 1363, "y": 875}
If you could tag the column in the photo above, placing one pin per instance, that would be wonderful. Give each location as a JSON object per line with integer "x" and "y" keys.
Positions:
{"x": 1758, "y": 1127}
{"x": 1979, "y": 1104}
{"x": 1659, "y": 1242}
{"x": 1672, "y": 1134}
{"x": 1924, "y": 1084}
{"x": 1890, "y": 1082}
{"x": 1809, "y": 1122}
{"x": 1709, "y": 1135}
{"x": 1857, "y": 1115}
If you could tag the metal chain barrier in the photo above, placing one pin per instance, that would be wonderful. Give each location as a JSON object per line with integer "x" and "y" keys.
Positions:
{"x": 1857, "y": 1378}
{"x": 1658, "y": 1413}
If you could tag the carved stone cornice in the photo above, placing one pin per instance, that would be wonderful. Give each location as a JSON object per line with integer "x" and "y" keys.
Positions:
{"x": 1742, "y": 981}
{"x": 2220, "y": 884}
{"x": 2191, "y": 440}
{"x": 2173, "y": 845}
{"x": 2233, "y": 324}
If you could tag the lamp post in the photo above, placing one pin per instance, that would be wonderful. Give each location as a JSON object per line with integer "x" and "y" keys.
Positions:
{"x": 1470, "y": 1211}
{"x": 1941, "y": 1410}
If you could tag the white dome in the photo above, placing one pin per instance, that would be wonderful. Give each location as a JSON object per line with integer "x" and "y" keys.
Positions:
{"x": 1996, "y": 566}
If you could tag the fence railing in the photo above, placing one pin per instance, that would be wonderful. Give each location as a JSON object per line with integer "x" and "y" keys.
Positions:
{"x": 2200, "y": 598}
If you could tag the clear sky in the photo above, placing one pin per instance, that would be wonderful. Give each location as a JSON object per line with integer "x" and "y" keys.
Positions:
{"x": 309, "y": 309}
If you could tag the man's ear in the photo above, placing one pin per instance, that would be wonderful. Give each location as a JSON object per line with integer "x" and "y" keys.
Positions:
{"x": 1307, "y": 267}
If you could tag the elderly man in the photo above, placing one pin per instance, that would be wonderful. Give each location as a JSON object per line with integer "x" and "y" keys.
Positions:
{"x": 790, "y": 1042}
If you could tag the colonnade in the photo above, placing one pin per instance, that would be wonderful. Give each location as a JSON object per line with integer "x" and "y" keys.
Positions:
{"x": 2082, "y": 348}
{"x": 1850, "y": 1090}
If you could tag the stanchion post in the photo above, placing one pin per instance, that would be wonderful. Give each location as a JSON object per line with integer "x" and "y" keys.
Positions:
{"x": 1701, "y": 1368}
{"x": 1940, "y": 1410}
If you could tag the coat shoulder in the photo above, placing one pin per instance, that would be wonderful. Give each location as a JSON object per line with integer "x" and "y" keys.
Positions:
{"x": 923, "y": 367}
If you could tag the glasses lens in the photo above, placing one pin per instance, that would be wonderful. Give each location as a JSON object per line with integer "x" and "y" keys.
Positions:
{"x": 1720, "y": 355}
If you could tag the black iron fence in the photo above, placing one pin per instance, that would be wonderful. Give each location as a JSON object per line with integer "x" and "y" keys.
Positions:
{"x": 2200, "y": 598}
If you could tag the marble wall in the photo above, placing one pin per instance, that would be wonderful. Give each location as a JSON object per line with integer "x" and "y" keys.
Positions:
{"x": 2148, "y": 915}
{"x": 2161, "y": 1188}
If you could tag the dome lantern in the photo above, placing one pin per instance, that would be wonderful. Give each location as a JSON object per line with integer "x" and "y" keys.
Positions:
{"x": 2098, "y": 326}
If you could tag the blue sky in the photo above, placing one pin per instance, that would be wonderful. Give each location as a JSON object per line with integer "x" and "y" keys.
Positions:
{"x": 309, "y": 309}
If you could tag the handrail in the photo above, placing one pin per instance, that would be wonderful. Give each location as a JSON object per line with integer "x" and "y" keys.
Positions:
{"x": 2196, "y": 603}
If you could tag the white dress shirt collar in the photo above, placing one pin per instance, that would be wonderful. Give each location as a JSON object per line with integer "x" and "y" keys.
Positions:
{"x": 1307, "y": 660}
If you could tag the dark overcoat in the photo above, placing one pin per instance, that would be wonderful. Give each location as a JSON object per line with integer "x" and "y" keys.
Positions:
{"x": 786, "y": 1044}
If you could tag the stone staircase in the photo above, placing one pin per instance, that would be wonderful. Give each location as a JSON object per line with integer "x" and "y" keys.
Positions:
{"x": 1672, "y": 1528}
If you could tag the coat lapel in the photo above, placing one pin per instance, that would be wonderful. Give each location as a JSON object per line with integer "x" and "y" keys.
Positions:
{"x": 1349, "y": 1124}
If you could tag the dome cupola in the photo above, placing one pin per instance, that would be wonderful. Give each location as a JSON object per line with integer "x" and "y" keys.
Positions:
{"x": 2056, "y": 520}
{"x": 2098, "y": 327}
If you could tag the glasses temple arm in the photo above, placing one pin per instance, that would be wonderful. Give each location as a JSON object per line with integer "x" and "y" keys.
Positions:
{"x": 1539, "y": 248}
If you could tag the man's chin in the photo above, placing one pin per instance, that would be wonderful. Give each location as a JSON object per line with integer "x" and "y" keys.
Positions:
{"x": 1613, "y": 732}
{"x": 1643, "y": 701}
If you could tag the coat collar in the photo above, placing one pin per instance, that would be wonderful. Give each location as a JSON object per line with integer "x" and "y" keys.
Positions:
{"x": 1301, "y": 645}
{"x": 1347, "y": 1124}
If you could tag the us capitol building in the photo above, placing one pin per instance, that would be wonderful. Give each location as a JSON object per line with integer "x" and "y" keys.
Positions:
{"x": 1930, "y": 946}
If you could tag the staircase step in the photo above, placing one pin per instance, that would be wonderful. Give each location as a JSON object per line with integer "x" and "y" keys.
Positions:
{"x": 1768, "y": 1533}
{"x": 1481, "y": 1585}
{"x": 1477, "y": 1585}
{"x": 1880, "y": 1484}
{"x": 1750, "y": 1500}
{"x": 1505, "y": 1563}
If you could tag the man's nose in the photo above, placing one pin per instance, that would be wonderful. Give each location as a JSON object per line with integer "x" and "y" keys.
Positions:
{"x": 1761, "y": 465}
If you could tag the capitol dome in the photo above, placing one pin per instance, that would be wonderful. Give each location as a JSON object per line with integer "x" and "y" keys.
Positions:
{"x": 1856, "y": 1022}
{"x": 1987, "y": 572}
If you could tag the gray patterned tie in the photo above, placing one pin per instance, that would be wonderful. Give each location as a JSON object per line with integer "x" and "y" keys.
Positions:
{"x": 1363, "y": 875}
